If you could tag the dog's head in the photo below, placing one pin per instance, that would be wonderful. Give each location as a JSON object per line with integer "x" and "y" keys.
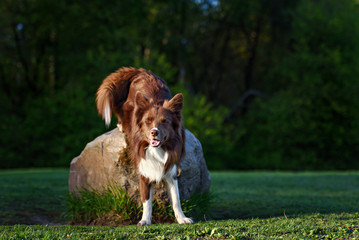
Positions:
{"x": 158, "y": 124}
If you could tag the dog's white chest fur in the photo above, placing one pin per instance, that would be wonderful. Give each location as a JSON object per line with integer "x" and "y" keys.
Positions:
{"x": 152, "y": 166}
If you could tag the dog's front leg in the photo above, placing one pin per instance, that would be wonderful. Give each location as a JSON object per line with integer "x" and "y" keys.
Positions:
{"x": 172, "y": 189}
{"x": 146, "y": 198}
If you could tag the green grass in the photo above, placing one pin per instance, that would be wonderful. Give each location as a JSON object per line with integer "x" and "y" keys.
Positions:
{"x": 252, "y": 205}
{"x": 313, "y": 226}
{"x": 33, "y": 196}
{"x": 265, "y": 194}
{"x": 112, "y": 207}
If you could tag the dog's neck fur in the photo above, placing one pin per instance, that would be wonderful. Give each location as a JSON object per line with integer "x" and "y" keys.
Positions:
{"x": 152, "y": 166}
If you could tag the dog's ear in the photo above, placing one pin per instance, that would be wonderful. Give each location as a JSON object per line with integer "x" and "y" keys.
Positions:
{"x": 175, "y": 104}
{"x": 142, "y": 105}
{"x": 141, "y": 101}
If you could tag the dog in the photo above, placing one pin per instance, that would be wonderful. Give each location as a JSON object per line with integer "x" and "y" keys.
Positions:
{"x": 151, "y": 119}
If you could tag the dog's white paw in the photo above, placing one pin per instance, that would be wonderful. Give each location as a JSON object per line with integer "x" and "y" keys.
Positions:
{"x": 143, "y": 223}
{"x": 184, "y": 220}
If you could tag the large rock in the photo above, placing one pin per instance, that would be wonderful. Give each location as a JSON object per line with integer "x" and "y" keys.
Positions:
{"x": 105, "y": 161}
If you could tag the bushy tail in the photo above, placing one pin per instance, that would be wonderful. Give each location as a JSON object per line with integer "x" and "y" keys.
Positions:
{"x": 113, "y": 92}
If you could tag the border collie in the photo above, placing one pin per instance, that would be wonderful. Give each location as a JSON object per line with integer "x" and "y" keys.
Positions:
{"x": 151, "y": 119}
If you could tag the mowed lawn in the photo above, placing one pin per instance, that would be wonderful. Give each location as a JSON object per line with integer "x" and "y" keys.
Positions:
{"x": 266, "y": 194}
{"x": 246, "y": 205}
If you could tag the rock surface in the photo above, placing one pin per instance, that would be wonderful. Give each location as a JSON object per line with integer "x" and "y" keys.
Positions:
{"x": 104, "y": 161}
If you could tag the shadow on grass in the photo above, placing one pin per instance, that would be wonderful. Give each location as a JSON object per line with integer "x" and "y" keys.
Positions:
{"x": 39, "y": 196}
{"x": 266, "y": 194}
{"x": 33, "y": 196}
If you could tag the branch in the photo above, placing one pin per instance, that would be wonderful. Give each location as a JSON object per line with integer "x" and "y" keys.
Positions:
{"x": 240, "y": 103}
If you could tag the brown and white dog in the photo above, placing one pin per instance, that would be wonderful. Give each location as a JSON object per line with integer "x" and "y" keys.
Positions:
{"x": 151, "y": 119}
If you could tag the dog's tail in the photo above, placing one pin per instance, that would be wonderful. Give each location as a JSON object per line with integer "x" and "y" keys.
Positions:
{"x": 113, "y": 92}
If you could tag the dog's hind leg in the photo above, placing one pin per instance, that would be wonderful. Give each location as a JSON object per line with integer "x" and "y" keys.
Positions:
{"x": 172, "y": 189}
{"x": 146, "y": 190}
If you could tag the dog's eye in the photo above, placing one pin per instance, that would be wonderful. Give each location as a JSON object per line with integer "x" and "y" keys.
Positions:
{"x": 149, "y": 120}
{"x": 164, "y": 120}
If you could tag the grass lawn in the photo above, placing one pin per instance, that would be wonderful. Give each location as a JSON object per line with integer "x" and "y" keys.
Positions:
{"x": 247, "y": 205}
{"x": 34, "y": 196}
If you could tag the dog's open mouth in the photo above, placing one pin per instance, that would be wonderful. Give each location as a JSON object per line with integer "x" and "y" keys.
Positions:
{"x": 155, "y": 142}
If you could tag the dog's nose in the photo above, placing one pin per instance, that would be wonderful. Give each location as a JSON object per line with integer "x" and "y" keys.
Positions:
{"x": 154, "y": 132}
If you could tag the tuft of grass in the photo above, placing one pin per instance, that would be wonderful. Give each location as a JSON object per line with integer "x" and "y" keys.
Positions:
{"x": 108, "y": 207}
{"x": 113, "y": 206}
{"x": 199, "y": 206}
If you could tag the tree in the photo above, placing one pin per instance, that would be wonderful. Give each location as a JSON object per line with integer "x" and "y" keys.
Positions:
{"x": 311, "y": 121}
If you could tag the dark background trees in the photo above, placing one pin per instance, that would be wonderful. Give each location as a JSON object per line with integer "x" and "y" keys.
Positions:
{"x": 267, "y": 84}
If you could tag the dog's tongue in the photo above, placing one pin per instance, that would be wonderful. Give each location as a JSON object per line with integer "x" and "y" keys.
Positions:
{"x": 154, "y": 142}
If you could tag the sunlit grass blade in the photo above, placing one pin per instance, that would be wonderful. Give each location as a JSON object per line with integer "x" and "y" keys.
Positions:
{"x": 113, "y": 206}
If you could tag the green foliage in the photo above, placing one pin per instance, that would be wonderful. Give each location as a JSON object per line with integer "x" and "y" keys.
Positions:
{"x": 113, "y": 206}
{"x": 52, "y": 131}
{"x": 311, "y": 121}
{"x": 301, "y": 54}
{"x": 207, "y": 123}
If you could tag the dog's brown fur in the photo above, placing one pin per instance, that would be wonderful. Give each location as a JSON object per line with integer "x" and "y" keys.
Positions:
{"x": 142, "y": 101}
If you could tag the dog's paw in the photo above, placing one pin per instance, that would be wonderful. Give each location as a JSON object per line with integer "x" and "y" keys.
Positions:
{"x": 143, "y": 223}
{"x": 185, "y": 221}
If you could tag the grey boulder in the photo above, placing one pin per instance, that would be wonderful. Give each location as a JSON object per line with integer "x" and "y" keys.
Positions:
{"x": 105, "y": 161}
